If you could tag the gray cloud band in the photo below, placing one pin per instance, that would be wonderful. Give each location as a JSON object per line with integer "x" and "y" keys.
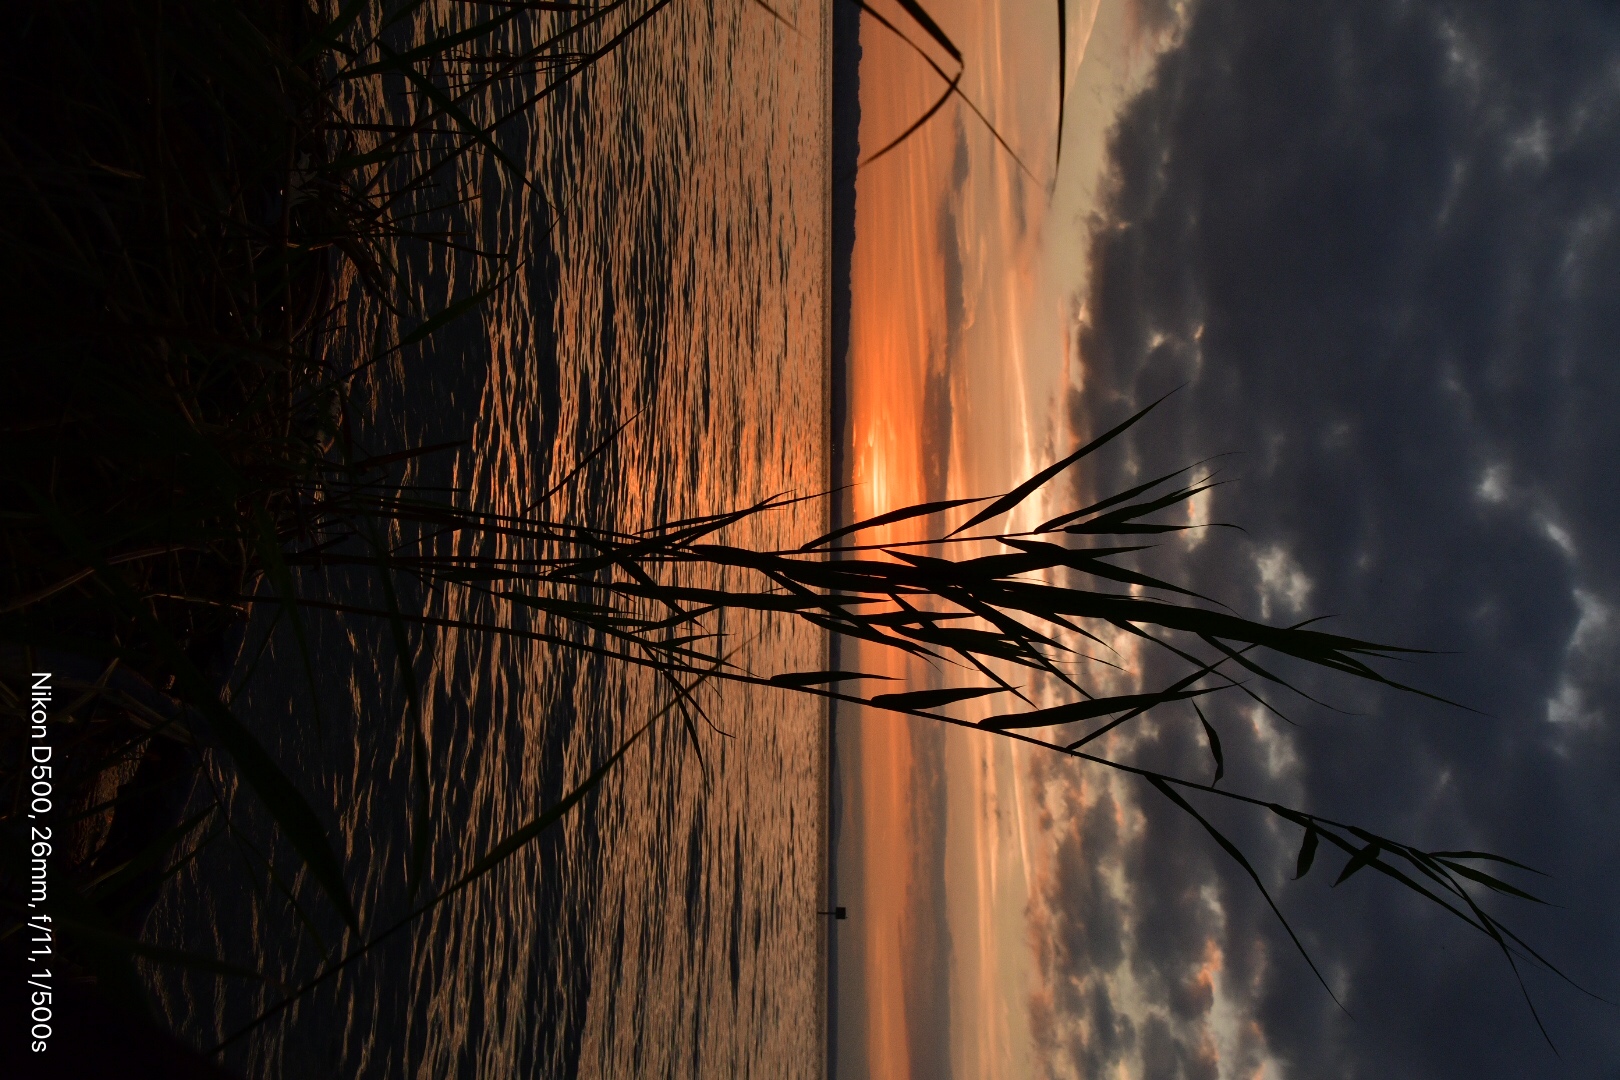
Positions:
{"x": 1378, "y": 242}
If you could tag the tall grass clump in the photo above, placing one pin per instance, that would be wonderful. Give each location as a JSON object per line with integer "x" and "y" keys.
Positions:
{"x": 168, "y": 285}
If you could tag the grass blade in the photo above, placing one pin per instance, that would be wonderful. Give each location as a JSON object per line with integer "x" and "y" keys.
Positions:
{"x": 818, "y": 678}
{"x": 931, "y": 28}
{"x": 931, "y": 699}
{"x": 1307, "y": 851}
{"x": 1039, "y": 480}
{"x": 1214, "y": 740}
{"x": 1063, "y": 70}
{"x": 1237, "y": 855}
{"x": 1075, "y": 711}
{"x": 1365, "y": 857}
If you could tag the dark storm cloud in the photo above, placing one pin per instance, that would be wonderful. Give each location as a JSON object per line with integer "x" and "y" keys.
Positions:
{"x": 1380, "y": 244}
{"x": 944, "y": 357}
{"x": 1104, "y": 950}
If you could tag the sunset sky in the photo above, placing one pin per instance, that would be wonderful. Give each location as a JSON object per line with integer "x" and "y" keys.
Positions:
{"x": 966, "y": 279}
{"x": 1318, "y": 222}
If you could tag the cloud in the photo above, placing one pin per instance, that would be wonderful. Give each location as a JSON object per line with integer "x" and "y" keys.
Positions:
{"x": 1378, "y": 244}
{"x": 1589, "y": 664}
{"x": 1284, "y": 587}
{"x": 1133, "y": 973}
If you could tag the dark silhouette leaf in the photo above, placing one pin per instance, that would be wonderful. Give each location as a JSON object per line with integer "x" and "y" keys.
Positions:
{"x": 1214, "y": 743}
{"x": 818, "y": 678}
{"x": 1039, "y": 480}
{"x": 1366, "y": 856}
{"x": 1307, "y": 852}
{"x": 918, "y": 700}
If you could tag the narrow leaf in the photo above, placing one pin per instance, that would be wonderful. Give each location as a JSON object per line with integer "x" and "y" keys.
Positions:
{"x": 449, "y": 314}
{"x": 1237, "y": 855}
{"x": 1364, "y": 857}
{"x": 1063, "y": 69}
{"x": 818, "y": 678}
{"x": 1307, "y": 852}
{"x": 918, "y": 700}
{"x": 1488, "y": 881}
{"x": 1028, "y": 487}
{"x": 1484, "y": 855}
{"x": 950, "y": 88}
{"x": 889, "y": 518}
{"x": 1075, "y": 711}
{"x": 926, "y": 21}
{"x": 1214, "y": 744}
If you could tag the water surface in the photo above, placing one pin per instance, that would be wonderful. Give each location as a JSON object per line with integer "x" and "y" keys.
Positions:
{"x": 668, "y": 927}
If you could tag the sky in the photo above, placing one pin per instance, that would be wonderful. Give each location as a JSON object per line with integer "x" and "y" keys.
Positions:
{"x": 1374, "y": 246}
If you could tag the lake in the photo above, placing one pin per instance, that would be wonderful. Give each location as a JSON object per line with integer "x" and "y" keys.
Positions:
{"x": 673, "y": 267}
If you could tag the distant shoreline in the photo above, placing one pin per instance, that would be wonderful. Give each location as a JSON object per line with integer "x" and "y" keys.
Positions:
{"x": 844, "y": 137}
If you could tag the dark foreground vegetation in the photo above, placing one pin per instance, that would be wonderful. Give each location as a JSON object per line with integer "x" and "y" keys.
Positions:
{"x": 199, "y": 257}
